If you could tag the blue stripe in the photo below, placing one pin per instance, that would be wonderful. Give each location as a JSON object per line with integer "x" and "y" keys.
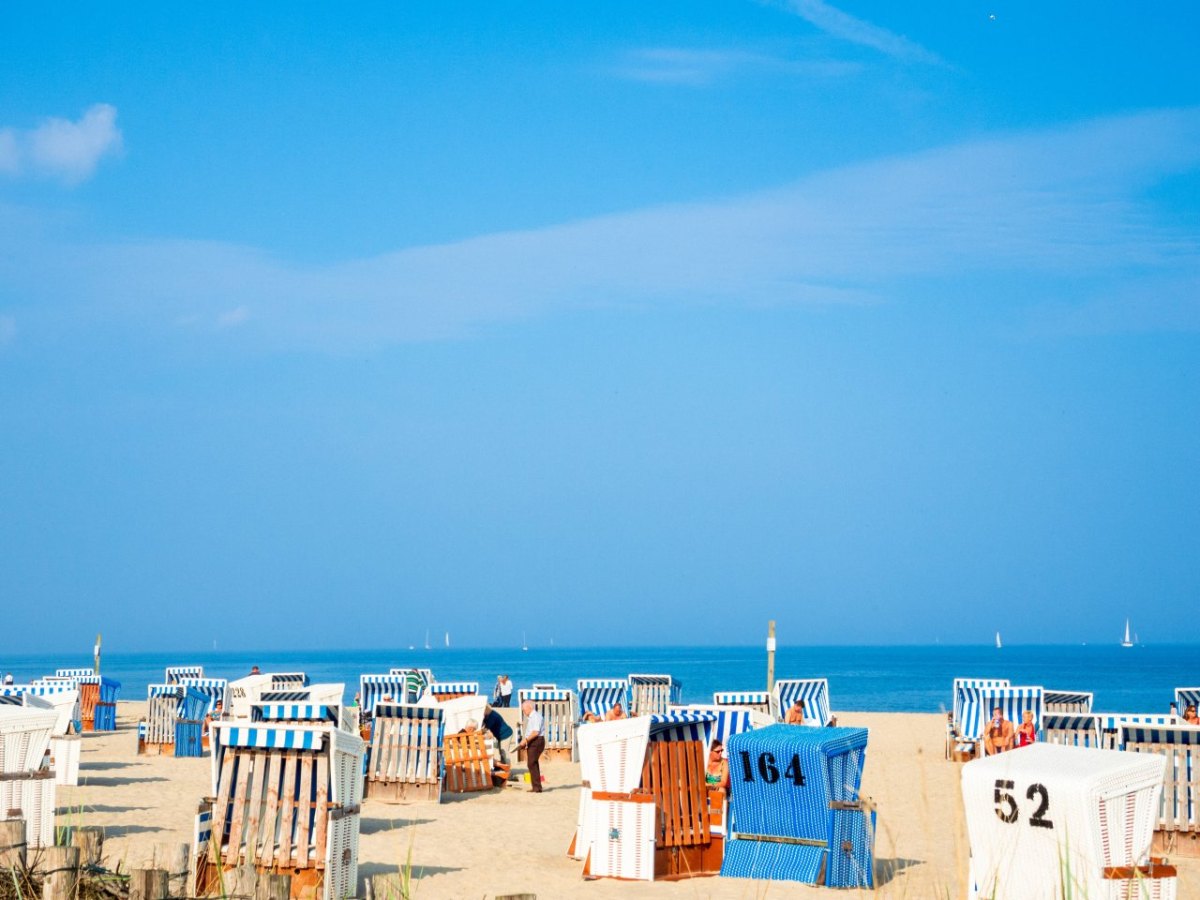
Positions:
{"x": 813, "y": 691}
{"x": 272, "y": 738}
{"x": 454, "y": 687}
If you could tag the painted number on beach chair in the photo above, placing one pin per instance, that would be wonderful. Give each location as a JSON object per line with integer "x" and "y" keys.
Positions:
{"x": 1006, "y": 806}
{"x": 768, "y": 771}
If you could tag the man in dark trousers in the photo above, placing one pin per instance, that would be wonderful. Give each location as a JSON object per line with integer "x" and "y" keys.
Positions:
{"x": 533, "y": 744}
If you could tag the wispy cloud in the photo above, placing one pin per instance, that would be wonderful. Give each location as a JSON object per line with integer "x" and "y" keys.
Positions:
{"x": 857, "y": 31}
{"x": 1065, "y": 209}
{"x": 61, "y": 149}
{"x": 691, "y": 66}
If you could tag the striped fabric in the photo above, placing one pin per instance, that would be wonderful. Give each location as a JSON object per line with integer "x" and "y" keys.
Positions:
{"x": 407, "y": 711}
{"x": 813, "y": 691}
{"x": 829, "y": 760}
{"x": 960, "y": 698}
{"x": 438, "y": 688}
{"x": 978, "y": 703}
{"x": 193, "y": 706}
{"x": 427, "y": 674}
{"x": 755, "y": 699}
{"x": 1067, "y": 701}
{"x": 557, "y": 706}
{"x": 1071, "y": 729}
{"x": 650, "y": 694}
{"x": 213, "y": 688}
{"x": 598, "y": 695}
{"x": 544, "y": 694}
{"x": 1183, "y": 736}
{"x": 283, "y": 696}
{"x": 682, "y": 725}
{"x": 282, "y": 681}
{"x": 1185, "y": 697}
{"x": 292, "y": 712}
{"x": 74, "y": 673}
{"x": 272, "y": 737}
{"x": 163, "y": 690}
{"x": 730, "y": 720}
{"x": 402, "y": 685}
{"x": 175, "y": 674}
{"x": 12, "y": 699}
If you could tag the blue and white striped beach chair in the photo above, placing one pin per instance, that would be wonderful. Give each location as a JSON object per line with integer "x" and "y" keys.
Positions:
{"x": 175, "y": 674}
{"x": 598, "y": 695}
{"x": 557, "y": 707}
{"x": 213, "y": 688}
{"x": 401, "y": 685}
{"x": 405, "y": 760}
{"x": 728, "y": 720}
{"x": 1179, "y": 814}
{"x": 1067, "y": 701}
{"x": 1071, "y": 729}
{"x": 1013, "y": 700}
{"x": 813, "y": 691}
{"x": 653, "y": 694}
{"x": 448, "y": 690}
{"x": 756, "y": 700}
{"x": 1112, "y": 726}
{"x": 1185, "y": 697}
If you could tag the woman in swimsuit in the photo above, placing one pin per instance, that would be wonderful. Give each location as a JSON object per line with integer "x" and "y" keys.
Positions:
{"x": 1026, "y": 731}
{"x": 716, "y": 774}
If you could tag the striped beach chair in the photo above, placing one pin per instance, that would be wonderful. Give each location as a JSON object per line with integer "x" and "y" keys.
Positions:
{"x": 156, "y": 732}
{"x": 404, "y": 758}
{"x": 286, "y": 798}
{"x": 756, "y": 700}
{"x": 1185, "y": 697}
{"x": 964, "y": 714}
{"x": 215, "y": 689}
{"x": 1067, "y": 701}
{"x": 557, "y": 707}
{"x": 644, "y": 806}
{"x": 598, "y": 695}
{"x": 653, "y": 694}
{"x": 1013, "y": 701}
{"x": 74, "y": 673}
{"x": 448, "y": 690}
{"x": 27, "y": 785}
{"x": 176, "y": 674}
{"x": 796, "y": 813}
{"x": 1112, "y": 726}
{"x": 813, "y": 691}
{"x": 97, "y": 697}
{"x": 1071, "y": 729}
{"x": 1180, "y": 745}
{"x": 728, "y": 720}
{"x": 401, "y": 685}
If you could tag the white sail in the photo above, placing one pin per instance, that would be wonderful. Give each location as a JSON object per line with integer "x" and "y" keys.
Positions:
{"x": 426, "y": 638}
{"x": 1126, "y": 642}
{"x": 998, "y": 644}
{"x": 447, "y": 639}
{"x": 524, "y": 643}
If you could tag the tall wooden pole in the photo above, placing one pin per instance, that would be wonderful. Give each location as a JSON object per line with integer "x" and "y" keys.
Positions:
{"x": 97, "y": 654}
{"x": 770, "y": 656}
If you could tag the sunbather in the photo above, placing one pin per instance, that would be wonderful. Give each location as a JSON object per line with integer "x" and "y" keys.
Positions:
{"x": 999, "y": 736}
{"x": 1189, "y": 715}
{"x": 795, "y": 715}
{"x": 615, "y": 712}
{"x": 1026, "y": 731}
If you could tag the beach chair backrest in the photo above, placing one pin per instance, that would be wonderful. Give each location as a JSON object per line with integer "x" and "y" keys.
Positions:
{"x": 175, "y": 674}
{"x": 1071, "y": 729}
{"x": 557, "y": 707}
{"x": 813, "y": 691}
{"x": 162, "y": 712}
{"x": 293, "y": 712}
{"x": 406, "y": 745}
{"x": 758, "y": 700}
{"x": 598, "y": 695}
{"x": 1067, "y": 701}
{"x": 673, "y": 773}
{"x": 448, "y": 690}
{"x": 1185, "y": 697}
{"x": 1111, "y": 726}
{"x": 728, "y": 720}
{"x": 27, "y": 790}
{"x": 961, "y": 714}
{"x": 1180, "y": 745}
{"x": 611, "y": 754}
{"x": 468, "y": 763}
{"x": 213, "y": 689}
{"x": 1013, "y": 701}
{"x": 403, "y": 687}
{"x": 282, "y": 681}
{"x": 653, "y": 694}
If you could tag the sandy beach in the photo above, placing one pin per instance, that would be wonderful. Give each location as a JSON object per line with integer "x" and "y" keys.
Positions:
{"x": 512, "y": 841}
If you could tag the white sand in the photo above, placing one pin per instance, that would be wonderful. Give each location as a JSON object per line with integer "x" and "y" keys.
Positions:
{"x": 511, "y": 841}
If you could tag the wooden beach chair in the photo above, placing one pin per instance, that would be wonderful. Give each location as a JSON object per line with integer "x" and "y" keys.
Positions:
{"x": 557, "y": 707}
{"x": 156, "y": 732}
{"x": 653, "y": 694}
{"x": 287, "y": 799}
{"x": 1067, "y": 701}
{"x": 813, "y": 691}
{"x": 468, "y": 763}
{"x": 27, "y": 785}
{"x": 599, "y": 695}
{"x": 1177, "y": 823}
{"x": 759, "y": 701}
{"x": 404, "y": 760}
{"x": 645, "y": 812}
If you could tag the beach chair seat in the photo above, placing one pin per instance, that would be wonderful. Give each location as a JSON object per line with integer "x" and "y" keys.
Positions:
{"x": 405, "y": 756}
{"x": 468, "y": 763}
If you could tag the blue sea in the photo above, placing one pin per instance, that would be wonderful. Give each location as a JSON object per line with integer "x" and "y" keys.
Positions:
{"x": 878, "y": 679}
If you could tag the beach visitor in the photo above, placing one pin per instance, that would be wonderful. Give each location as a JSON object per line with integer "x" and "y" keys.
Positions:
{"x": 999, "y": 735}
{"x": 795, "y": 715}
{"x": 502, "y": 693}
{"x": 254, "y": 670}
{"x": 1026, "y": 731}
{"x": 1189, "y": 715}
{"x": 716, "y": 774}
{"x": 8, "y": 678}
{"x": 615, "y": 712}
{"x": 533, "y": 744}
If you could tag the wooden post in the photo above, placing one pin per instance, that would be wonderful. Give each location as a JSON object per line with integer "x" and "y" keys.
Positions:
{"x": 90, "y": 841}
{"x": 61, "y": 868}
{"x": 148, "y": 884}
{"x": 175, "y": 858}
{"x": 770, "y": 656}
{"x": 97, "y": 654}
{"x": 12, "y": 845}
{"x": 273, "y": 887}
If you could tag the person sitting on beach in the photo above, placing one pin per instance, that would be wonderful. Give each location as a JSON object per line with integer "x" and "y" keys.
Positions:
{"x": 716, "y": 773}
{"x": 1189, "y": 715}
{"x": 795, "y": 715}
{"x": 615, "y": 712}
{"x": 999, "y": 736}
{"x": 1026, "y": 731}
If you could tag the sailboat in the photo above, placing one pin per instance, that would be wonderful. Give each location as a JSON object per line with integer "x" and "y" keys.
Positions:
{"x": 447, "y": 640}
{"x": 524, "y": 643}
{"x": 1127, "y": 642}
{"x": 426, "y": 638}
{"x": 998, "y": 644}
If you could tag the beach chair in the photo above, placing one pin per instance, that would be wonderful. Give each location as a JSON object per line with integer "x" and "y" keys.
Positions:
{"x": 644, "y": 806}
{"x": 1177, "y": 824}
{"x": 156, "y": 732}
{"x": 176, "y": 674}
{"x": 1112, "y": 726}
{"x": 448, "y": 690}
{"x": 63, "y": 700}
{"x": 405, "y": 686}
{"x": 557, "y": 707}
{"x": 813, "y": 691}
{"x": 404, "y": 759}
{"x": 74, "y": 673}
{"x": 1185, "y": 697}
{"x": 1067, "y": 701}
{"x": 97, "y": 698}
{"x": 964, "y": 712}
{"x": 1071, "y": 729}
{"x": 287, "y": 798}
{"x": 27, "y": 785}
{"x": 598, "y": 695}
{"x": 795, "y": 811}
{"x": 468, "y": 761}
{"x": 653, "y": 694}
{"x": 978, "y": 703}
{"x": 1062, "y": 822}
{"x": 756, "y": 700}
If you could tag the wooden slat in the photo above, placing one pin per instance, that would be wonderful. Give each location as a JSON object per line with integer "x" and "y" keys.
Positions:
{"x": 238, "y": 813}
{"x": 287, "y": 791}
{"x": 322, "y": 805}
{"x": 300, "y": 853}
{"x": 270, "y": 829}
{"x": 254, "y": 804}
{"x": 221, "y": 811}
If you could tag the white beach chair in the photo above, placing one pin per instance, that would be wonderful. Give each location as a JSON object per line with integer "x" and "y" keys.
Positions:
{"x": 405, "y": 757}
{"x": 599, "y": 695}
{"x": 813, "y": 691}
{"x": 27, "y": 786}
{"x": 653, "y": 694}
{"x": 558, "y": 709}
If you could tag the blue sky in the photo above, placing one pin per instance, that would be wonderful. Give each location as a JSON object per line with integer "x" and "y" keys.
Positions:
{"x": 618, "y": 323}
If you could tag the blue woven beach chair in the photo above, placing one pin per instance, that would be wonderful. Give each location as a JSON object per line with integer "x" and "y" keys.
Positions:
{"x": 795, "y": 810}
{"x": 598, "y": 695}
{"x": 813, "y": 691}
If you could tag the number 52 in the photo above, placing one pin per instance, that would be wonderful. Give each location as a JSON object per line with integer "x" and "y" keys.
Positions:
{"x": 1006, "y": 806}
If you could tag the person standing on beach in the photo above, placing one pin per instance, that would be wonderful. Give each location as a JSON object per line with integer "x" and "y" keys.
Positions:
{"x": 533, "y": 744}
{"x": 502, "y": 694}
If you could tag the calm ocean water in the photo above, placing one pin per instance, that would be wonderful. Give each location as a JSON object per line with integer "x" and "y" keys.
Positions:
{"x": 893, "y": 679}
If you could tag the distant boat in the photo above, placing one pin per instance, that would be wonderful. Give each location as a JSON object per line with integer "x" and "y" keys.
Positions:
{"x": 1127, "y": 642}
{"x": 426, "y": 638}
{"x": 447, "y": 639}
{"x": 524, "y": 643}
{"x": 998, "y": 644}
